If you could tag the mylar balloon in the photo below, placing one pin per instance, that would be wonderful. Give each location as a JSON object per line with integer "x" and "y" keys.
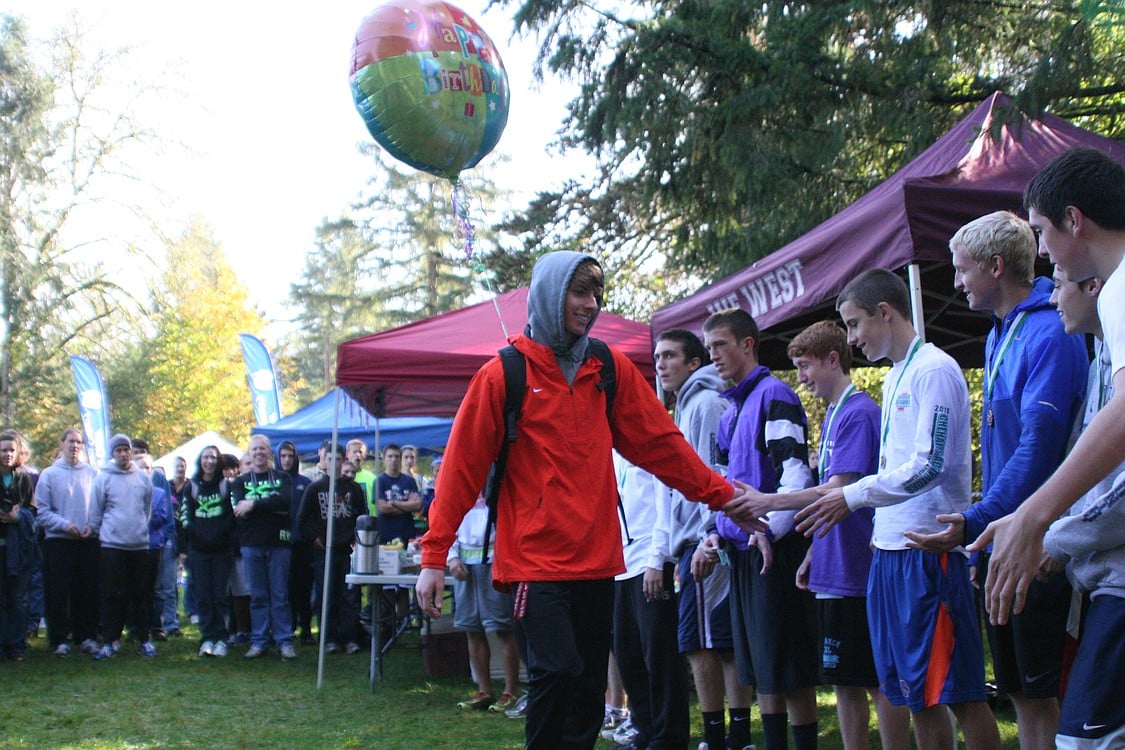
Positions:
{"x": 430, "y": 85}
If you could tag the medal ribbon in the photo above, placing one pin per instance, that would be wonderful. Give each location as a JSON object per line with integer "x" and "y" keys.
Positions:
{"x": 888, "y": 407}
{"x": 994, "y": 366}
{"x": 823, "y": 463}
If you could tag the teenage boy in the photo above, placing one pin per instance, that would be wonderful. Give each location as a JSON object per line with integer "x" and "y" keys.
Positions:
{"x": 1034, "y": 380}
{"x": 1077, "y": 206}
{"x": 838, "y": 563}
{"x": 924, "y": 630}
{"x": 556, "y": 534}
{"x": 684, "y": 370}
{"x": 396, "y": 498}
{"x": 774, "y": 622}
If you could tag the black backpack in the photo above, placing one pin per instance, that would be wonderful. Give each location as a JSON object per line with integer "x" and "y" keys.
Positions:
{"x": 515, "y": 384}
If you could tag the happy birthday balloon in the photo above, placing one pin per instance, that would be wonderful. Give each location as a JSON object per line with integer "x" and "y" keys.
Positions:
{"x": 430, "y": 85}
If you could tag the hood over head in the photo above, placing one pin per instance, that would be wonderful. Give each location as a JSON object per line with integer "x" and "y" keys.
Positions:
{"x": 296, "y": 470}
{"x": 546, "y": 303}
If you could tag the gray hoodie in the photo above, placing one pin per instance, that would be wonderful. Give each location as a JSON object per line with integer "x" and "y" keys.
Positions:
{"x": 546, "y": 304}
{"x": 63, "y": 497}
{"x": 120, "y": 508}
{"x": 698, "y": 409}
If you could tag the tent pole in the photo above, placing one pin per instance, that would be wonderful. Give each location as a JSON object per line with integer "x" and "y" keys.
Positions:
{"x": 914, "y": 281}
{"x": 332, "y": 473}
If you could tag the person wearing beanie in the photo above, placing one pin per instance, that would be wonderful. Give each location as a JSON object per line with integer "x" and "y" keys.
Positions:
{"x": 120, "y": 510}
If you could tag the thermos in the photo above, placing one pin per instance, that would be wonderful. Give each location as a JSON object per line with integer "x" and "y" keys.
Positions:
{"x": 366, "y": 555}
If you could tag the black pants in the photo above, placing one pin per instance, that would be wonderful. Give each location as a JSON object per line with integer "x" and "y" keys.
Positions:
{"x": 343, "y": 602}
{"x": 301, "y": 586}
{"x": 212, "y": 572}
{"x": 566, "y": 627}
{"x": 70, "y": 580}
{"x": 126, "y": 592}
{"x": 653, "y": 671}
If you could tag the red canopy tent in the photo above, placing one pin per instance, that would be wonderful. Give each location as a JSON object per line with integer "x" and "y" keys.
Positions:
{"x": 907, "y": 220}
{"x": 424, "y": 368}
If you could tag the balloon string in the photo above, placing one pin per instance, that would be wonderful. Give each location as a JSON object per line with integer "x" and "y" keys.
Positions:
{"x": 463, "y": 231}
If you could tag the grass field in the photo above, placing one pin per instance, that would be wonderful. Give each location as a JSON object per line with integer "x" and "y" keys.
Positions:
{"x": 181, "y": 701}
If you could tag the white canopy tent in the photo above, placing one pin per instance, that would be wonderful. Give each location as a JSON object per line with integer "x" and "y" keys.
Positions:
{"x": 192, "y": 448}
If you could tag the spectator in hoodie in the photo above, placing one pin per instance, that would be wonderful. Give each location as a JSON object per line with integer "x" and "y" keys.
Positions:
{"x": 300, "y": 562}
{"x": 161, "y": 548}
{"x": 71, "y": 555}
{"x": 19, "y": 545}
{"x": 120, "y": 509}
{"x": 261, "y": 498}
{"x": 208, "y": 523}
{"x": 239, "y": 588}
{"x": 335, "y": 554}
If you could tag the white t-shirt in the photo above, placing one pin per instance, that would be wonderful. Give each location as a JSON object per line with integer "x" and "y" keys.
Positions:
{"x": 925, "y": 459}
{"x": 1111, "y": 312}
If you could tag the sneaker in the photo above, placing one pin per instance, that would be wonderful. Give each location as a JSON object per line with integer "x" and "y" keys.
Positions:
{"x": 519, "y": 710}
{"x": 194, "y": 619}
{"x": 331, "y": 647}
{"x": 108, "y": 651}
{"x": 625, "y": 733}
{"x": 478, "y": 701}
{"x": 89, "y": 647}
{"x": 219, "y": 650}
{"x": 148, "y": 649}
{"x": 254, "y": 652}
{"x": 503, "y": 703}
{"x": 287, "y": 652}
{"x": 207, "y": 649}
{"x": 614, "y": 717}
{"x": 351, "y": 647}
{"x": 62, "y": 650}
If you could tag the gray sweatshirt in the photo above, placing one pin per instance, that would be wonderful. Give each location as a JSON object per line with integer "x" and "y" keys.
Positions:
{"x": 120, "y": 508}
{"x": 63, "y": 497}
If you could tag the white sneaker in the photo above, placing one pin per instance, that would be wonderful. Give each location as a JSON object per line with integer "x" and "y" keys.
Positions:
{"x": 194, "y": 619}
{"x": 625, "y": 733}
{"x": 62, "y": 650}
{"x": 207, "y": 649}
{"x": 219, "y": 650}
{"x": 89, "y": 647}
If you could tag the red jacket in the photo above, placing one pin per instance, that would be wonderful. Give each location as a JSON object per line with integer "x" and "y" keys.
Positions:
{"x": 557, "y": 511}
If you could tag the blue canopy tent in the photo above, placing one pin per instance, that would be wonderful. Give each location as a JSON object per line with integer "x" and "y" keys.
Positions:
{"x": 312, "y": 425}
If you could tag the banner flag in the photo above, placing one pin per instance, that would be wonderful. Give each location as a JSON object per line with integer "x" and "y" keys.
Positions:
{"x": 93, "y": 408}
{"x": 260, "y": 377}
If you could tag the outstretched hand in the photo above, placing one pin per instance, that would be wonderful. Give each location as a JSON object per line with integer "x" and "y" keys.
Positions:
{"x": 745, "y": 508}
{"x": 819, "y": 517}
{"x": 951, "y": 537}
{"x": 1017, "y": 551}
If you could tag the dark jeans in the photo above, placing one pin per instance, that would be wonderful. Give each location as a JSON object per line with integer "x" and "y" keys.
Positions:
{"x": 566, "y": 628}
{"x": 211, "y": 571}
{"x": 70, "y": 579}
{"x": 126, "y": 592}
{"x": 343, "y": 603}
{"x": 653, "y": 671}
{"x": 301, "y": 579}
{"x": 13, "y": 608}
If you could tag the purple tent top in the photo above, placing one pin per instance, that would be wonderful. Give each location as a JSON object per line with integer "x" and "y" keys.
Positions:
{"x": 906, "y": 219}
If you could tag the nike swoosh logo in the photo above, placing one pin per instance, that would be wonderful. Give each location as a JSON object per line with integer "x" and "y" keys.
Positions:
{"x": 536, "y": 390}
{"x": 1091, "y": 727}
{"x": 1035, "y": 678}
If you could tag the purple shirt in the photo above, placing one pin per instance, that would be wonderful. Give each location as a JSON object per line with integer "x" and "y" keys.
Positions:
{"x": 842, "y": 558}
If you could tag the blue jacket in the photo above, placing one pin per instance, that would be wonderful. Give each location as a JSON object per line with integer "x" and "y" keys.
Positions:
{"x": 1038, "y": 391}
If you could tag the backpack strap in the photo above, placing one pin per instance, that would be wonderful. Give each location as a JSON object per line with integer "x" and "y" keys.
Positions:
{"x": 608, "y": 382}
{"x": 515, "y": 382}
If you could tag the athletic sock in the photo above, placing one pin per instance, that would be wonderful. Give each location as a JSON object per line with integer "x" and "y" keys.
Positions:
{"x": 804, "y": 736}
{"x": 714, "y": 729}
{"x": 739, "y": 736}
{"x": 774, "y": 734}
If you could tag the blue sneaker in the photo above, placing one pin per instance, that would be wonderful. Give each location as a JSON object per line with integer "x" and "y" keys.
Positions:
{"x": 148, "y": 649}
{"x": 105, "y": 652}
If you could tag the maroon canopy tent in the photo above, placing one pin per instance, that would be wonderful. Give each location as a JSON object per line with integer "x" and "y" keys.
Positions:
{"x": 906, "y": 220}
{"x": 424, "y": 368}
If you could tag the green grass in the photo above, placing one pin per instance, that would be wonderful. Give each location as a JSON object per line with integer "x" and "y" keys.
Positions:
{"x": 181, "y": 701}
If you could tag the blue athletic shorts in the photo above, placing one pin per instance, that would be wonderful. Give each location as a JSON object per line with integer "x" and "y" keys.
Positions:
{"x": 925, "y": 635}
{"x": 704, "y": 608}
{"x": 1093, "y": 708}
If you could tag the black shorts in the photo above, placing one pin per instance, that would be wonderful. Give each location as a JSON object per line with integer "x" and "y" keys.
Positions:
{"x": 846, "y": 657}
{"x": 773, "y": 622}
{"x": 1027, "y": 653}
